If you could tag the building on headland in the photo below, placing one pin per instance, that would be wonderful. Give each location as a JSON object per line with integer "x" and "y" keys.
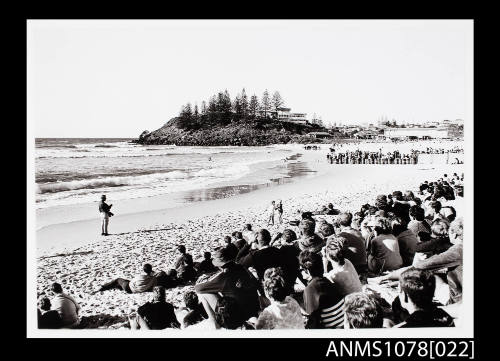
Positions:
{"x": 285, "y": 115}
{"x": 319, "y": 135}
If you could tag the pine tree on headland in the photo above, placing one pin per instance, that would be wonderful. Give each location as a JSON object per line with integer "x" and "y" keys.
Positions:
{"x": 265, "y": 103}
{"x": 253, "y": 106}
{"x": 244, "y": 103}
{"x": 277, "y": 101}
{"x": 203, "y": 108}
{"x": 195, "y": 113}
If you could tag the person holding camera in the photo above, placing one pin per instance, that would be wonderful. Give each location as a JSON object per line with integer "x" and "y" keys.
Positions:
{"x": 105, "y": 211}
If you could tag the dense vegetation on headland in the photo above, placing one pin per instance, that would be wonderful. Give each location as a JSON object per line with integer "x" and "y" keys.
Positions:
{"x": 223, "y": 121}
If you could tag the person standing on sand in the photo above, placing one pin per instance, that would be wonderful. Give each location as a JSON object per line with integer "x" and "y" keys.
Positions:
{"x": 279, "y": 208}
{"x": 270, "y": 211}
{"x": 105, "y": 211}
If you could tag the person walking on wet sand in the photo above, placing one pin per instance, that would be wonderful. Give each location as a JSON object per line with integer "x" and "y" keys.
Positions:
{"x": 105, "y": 211}
{"x": 270, "y": 211}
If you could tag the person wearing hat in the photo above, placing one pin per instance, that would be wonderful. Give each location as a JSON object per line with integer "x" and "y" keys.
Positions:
{"x": 234, "y": 281}
{"x": 105, "y": 211}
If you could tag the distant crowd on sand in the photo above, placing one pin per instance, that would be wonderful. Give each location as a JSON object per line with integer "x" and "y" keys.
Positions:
{"x": 315, "y": 278}
{"x": 394, "y": 157}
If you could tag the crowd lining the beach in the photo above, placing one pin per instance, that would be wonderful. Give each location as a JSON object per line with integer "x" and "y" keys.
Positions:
{"x": 315, "y": 274}
{"x": 395, "y": 157}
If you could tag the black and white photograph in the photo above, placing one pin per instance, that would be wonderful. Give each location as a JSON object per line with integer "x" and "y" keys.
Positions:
{"x": 250, "y": 178}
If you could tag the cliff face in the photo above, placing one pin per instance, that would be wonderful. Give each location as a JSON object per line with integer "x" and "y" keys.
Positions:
{"x": 244, "y": 132}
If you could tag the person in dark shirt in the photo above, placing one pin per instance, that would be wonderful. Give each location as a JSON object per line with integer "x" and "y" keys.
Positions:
{"x": 48, "y": 318}
{"x": 290, "y": 251}
{"x": 105, "y": 211}
{"x": 262, "y": 258}
{"x": 196, "y": 311}
{"x": 167, "y": 280}
{"x": 439, "y": 241}
{"x": 157, "y": 315}
{"x": 186, "y": 271}
{"x": 234, "y": 281}
{"x": 206, "y": 266}
{"x": 354, "y": 248}
{"x": 416, "y": 293}
{"x": 322, "y": 302}
{"x": 180, "y": 260}
{"x": 407, "y": 240}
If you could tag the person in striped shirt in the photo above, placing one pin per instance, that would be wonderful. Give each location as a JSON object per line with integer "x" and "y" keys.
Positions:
{"x": 323, "y": 302}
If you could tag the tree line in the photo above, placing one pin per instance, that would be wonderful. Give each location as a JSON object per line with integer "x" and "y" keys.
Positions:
{"x": 222, "y": 108}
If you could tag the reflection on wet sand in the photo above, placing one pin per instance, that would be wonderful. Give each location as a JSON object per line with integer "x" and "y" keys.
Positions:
{"x": 294, "y": 171}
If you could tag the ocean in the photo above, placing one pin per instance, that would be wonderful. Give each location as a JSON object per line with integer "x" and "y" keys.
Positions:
{"x": 78, "y": 170}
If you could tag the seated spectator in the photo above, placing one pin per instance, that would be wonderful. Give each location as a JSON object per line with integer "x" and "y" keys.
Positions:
{"x": 234, "y": 281}
{"x": 381, "y": 203}
{"x": 451, "y": 259}
{"x": 407, "y": 240}
{"x": 354, "y": 248}
{"x": 283, "y": 312}
{"x": 248, "y": 233}
{"x": 449, "y": 213}
{"x": 417, "y": 222}
{"x": 262, "y": 258}
{"x": 180, "y": 260}
{"x": 343, "y": 274}
{"x": 66, "y": 306}
{"x": 48, "y": 318}
{"x": 186, "y": 271}
{"x": 416, "y": 293}
{"x": 383, "y": 250}
{"x": 156, "y": 315}
{"x": 196, "y": 311}
{"x": 167, "y": 280}
{"x": 237, "y": 236}
{"x": 309, "y": 241}
{"x": 289, "y": 254}
{"x": 439, "y": 241}
{"x": 230, "y": 315}
{"x": 331, "y": 211}
{"x": 325, "y": 229}
{"x": 206, "y": 266}
{"x": 227, "y": 240}
{"x": 323, "y": 302}
{"x": 362, "y": 310}
{"x": 141, "y": 283}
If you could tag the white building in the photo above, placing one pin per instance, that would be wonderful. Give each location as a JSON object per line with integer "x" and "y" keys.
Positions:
{"x": 416, "y": 133}
{"x": 285, "y": 115}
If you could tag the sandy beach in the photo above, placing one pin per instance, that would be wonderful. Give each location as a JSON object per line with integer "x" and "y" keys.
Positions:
{"x": 86, "y": 260}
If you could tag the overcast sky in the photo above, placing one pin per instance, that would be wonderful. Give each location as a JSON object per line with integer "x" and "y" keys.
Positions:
{"x": 118, "y": 78}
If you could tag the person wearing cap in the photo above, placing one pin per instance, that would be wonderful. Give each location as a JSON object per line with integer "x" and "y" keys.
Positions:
{"x": 105, "y": 211}
{"x": 234, "y": 281}
{"x": 383, "y": 249}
